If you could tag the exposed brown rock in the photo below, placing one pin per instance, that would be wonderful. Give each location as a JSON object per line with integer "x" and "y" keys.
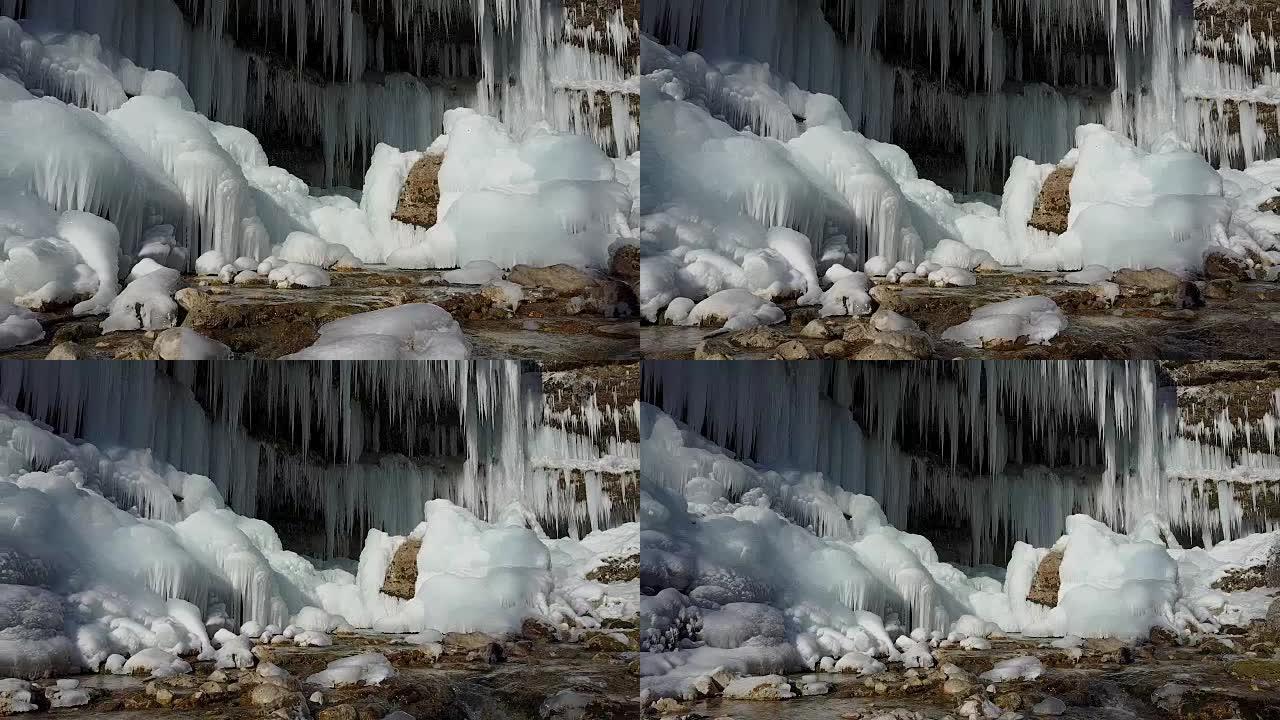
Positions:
{"x": 625, "y": 264}
{"x": 1221, "y": 265}
{"x": 420, "y": 196}
{"x": 617, "y": 569}
{"x": 758, "y": 338}
{"x": 880, "y": 351}
{"x": 1054, "y": 203}
{"x": 402, "y": 573}
{"x": 66, "y": 351}
{"x": 1044, "y": 586}
{"x": 1241, "y": 579}
{"x": 793, "y": 350}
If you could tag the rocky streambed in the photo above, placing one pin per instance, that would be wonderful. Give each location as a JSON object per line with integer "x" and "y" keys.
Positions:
{"x": 1211, "y": 677}
{"x": 568, "y": 315}
{"x": 539, "y": 673}
{"x": 1150, "y": 314}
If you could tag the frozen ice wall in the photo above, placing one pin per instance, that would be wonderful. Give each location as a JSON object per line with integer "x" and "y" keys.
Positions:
{"x": 118, "y": 562}
{"x": 1007, "y": 450}
{"x": 341, "y": 447}
{"x": 758, "y": 567}
{"x": 991, "y": 79}
{"x": 349, "y": 75}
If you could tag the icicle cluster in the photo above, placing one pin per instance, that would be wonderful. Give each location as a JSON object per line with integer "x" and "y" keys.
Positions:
{"x": 1009, "y": 448}
{"x": 993, "y": 105}
{"x": 470, "y": 432}
{"x": 525, "y": 73}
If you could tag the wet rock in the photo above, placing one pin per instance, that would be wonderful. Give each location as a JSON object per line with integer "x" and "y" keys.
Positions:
{"x": 1049, "y": 706}
{"x": 625, "y": 264}
{"x": 887, "y": 297}
{"x": 912, "y": 341}
{"x": 1214, "y": 646}
{"x": 1044, "y": 586}
{"x": 835, "y": 349}
{"x": 564, "y": 280}
{"x": 857, "y": 332}
{"x": 535, "y": 629}
{"x": 793, "y": 350}
{"x": 75, "y": 332}
{"x": 1162, "y": 636}
{"x": 161, "y": 695}
{"x": 1009, "y": 701}
{"x": 1273, "y": 615}
{"x": 338, "y": 712}
{"x": 1156, "y": 280}
{"x": 816, "y": 330}
{"x": 1222, "y": 265}
{"x": 668, "y": 706}
{"x": 134, "y": 349}
{"x": 272, "y": 696}
{"x": 191, "y": 299}
{"x": 758, "y": 338}
{"x": 213, "y": 689}
{"x": 712, "y": 350}
{"x": 1219, "y": 289}
{"x": 402, "y": 573}
{"x": 879, "y": 351}
{"x": 604, "y": 642}
{"x": 67, "y": 351}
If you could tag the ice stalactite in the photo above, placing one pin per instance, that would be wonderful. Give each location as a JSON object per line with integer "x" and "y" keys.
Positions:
{"x": 357, "y": 445}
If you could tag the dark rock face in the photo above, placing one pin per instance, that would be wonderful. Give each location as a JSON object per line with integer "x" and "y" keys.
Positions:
{"x": 1044, "y": 586}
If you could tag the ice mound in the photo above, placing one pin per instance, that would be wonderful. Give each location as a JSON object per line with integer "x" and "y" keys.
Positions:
{"x": 542, "y": 199}
{"x": 364, "y": 669}
{"x": 733, "y": 309}
{"x": 416, "y": 331}
{"x": 18, "y": 326}
{"x": 1035, "y": 317}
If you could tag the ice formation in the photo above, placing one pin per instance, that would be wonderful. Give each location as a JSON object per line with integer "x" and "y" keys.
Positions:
{"x": 748, "y": 139}
{"x": 1097, "y": 438}
{"x": 118, "y": 144}
{"x": 120, "y": 561}
{"x": 987, "y": 79}
{"x": 776, "y": 560}
{"x": 415, "y": 331}
{"x": 373, "y": 441}
{"x": 374, "y": 81}
{"x": 545, "y": 198}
